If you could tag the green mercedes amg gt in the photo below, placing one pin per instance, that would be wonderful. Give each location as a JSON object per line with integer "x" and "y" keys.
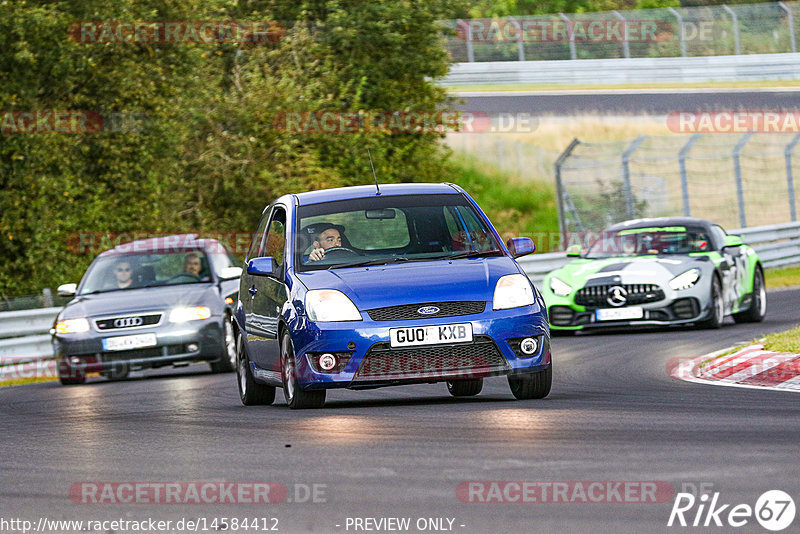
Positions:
{"x": 657, "y": 272}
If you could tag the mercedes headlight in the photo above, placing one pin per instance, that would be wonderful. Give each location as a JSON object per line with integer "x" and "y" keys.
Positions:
{"x": 327, "y": 305}
{"x": 72, "y": 326}
{"x": 560, "y": 288}
{"x": 512, "y": 291}
{"x": 685, "y": 280}
{"x": 189, "y": 313}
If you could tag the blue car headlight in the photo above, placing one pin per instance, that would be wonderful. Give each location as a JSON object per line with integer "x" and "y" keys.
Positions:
{"x": 512, "y": 291}
{"x": 328, "y": 305}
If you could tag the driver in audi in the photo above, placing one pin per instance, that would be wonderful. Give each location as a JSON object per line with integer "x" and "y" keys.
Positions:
{"x": 328, "y": 236}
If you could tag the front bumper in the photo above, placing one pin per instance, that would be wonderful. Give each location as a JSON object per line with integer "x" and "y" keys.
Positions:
{"x": 681, "y": 311}
{"x": 367, "y": 359}
{"x": 193, "y": 341}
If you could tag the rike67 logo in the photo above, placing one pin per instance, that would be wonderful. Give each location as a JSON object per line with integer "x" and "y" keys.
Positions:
{"x": 774, "y": 510}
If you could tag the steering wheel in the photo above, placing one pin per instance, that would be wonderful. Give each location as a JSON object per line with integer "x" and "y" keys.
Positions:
{"x": 339, "y": 252}
{"x": 182, "y": 275}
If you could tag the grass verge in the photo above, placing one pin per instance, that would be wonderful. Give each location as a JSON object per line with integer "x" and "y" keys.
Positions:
{"x": 788, "y": 341}
{"x": 782, "y": 277}
{"x": 30, "y": 380}
{"x": 515, "y": 208}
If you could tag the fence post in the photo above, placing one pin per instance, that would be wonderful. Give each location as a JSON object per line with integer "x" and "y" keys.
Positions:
{"x": 737, "y": 170}
{"x": 520, "y": 44}
{"x": 789, "y": 175}
{"x": 790, "y": 20}
{"x": 687, "y": 210}
{"x": 626, "y": 175}
{"x": 573, "y": 54}
{"x": 626, "y": 48}
{"x": 681, "y": 29}
{"x": 560, "y": 193}
{"x": 468, "y": 39}
{"x": 735, "y": 20}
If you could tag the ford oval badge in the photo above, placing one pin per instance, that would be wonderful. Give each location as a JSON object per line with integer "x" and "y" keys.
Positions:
{"x": 428, "y": 310}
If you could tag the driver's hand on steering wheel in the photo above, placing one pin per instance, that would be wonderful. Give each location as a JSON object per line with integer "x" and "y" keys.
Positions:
{"x": 316, "y": 254}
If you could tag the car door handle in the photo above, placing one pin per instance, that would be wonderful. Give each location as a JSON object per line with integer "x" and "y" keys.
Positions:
{"x": 253, "y": 291}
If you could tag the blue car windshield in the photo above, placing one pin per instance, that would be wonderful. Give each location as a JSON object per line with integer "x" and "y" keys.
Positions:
{"x": 649, "y": 241}
{"x": 381, "y": 230}
{"x": 118, "y": 272}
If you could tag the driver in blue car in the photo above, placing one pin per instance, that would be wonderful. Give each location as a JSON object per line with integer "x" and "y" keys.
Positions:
{"x": 328, "y": 236}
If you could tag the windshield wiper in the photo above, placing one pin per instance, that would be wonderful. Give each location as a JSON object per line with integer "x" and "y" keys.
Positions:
{"x": 474, "y": 254}
{"x": 367, "y": 263}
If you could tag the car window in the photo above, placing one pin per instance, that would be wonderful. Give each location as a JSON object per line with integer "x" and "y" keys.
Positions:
{"x": 275, "y": 242}
{"x": 258, "y": 237}
{"x": 649, "y": 241}
{"x": 388, "y": 229}
{"x": 719, "y": 235}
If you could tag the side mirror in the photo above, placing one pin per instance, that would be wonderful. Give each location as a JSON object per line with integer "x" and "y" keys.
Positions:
{"x": 229, "y": 273}
{"x": 573, "y": 251}
{"x": 733, "y": 241}
{"x": 520, "y": 246}
{"x": 67, "y": 290}
{"x": 262, "y": 266}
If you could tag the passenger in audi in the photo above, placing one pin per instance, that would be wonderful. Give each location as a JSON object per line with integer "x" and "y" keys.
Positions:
{"x": 123, "y": 274}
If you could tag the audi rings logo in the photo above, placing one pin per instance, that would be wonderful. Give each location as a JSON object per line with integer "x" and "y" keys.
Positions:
{"x": 128, "y": 322}
{"x": 428, "y": 310}
{"x": 617, "y": 296}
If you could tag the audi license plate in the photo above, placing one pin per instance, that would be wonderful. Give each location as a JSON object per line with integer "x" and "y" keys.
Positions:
{"x": 430, "y": 335}
{"x": 138, "y": 341}
{"x": 619, "y": 314}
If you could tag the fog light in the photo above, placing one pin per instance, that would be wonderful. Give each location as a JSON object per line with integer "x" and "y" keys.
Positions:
{"x": 192, "y": 347}
{"x": 529, "y": 346}
{"x": 75, "y": 360}
{"x": 327, "y": 362}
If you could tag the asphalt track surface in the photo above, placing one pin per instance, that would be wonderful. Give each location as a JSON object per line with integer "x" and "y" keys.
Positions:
{"x": 631, "y": 101}
{"x": 613, "y": 415}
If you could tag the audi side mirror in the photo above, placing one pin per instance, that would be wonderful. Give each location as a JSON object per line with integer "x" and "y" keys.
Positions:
{"x": 733, "y": 241}
{"x": 573, "y": 251}
{"x": 67, "y": 290}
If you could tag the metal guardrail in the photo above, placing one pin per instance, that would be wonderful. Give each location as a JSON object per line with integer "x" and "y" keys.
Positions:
{"x": 756, "y": 67}
{"x": 24, "y": 338}
{"x": 777, "y": 245}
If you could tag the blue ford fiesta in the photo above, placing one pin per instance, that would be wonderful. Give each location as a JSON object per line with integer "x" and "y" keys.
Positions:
{"x": 362, "y": 288}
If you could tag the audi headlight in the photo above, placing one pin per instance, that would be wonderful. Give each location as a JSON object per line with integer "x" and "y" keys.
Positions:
{"x": 72, "y": 326}
{"x": 560, "y": 288}
{"x": 328, "y": 305}
{"x": 189, "y": 313}
{"x": 685, "y": 280}
{"x": 512, "y": 291}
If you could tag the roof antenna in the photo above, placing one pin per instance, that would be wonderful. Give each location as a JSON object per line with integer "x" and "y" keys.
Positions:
{"x": 373, "y": 171}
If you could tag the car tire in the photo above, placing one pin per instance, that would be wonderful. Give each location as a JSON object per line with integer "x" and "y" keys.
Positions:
{"x": 68, "y": 375}
{"x": 531, "y": 385}
{"x": 717, "y": 307}
{"x": 227, "y": 361}
{"x": 465, "y": 388}
{"x": 118, "y": 371}
{"x": 758, "y": 305}
{"x": 296, "y": 398}
{"x": 251, "y": 392}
